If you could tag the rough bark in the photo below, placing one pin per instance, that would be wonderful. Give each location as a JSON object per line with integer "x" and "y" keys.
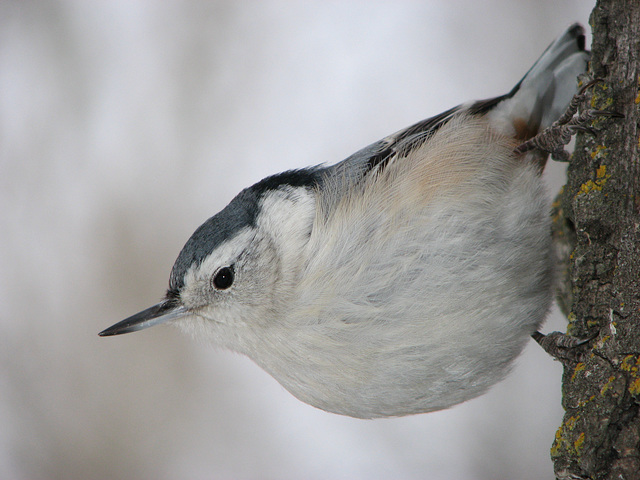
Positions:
{"x": 599, "y": 437}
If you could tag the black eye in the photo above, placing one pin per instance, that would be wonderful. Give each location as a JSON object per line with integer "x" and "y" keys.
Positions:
{"x": 223, "y": 278}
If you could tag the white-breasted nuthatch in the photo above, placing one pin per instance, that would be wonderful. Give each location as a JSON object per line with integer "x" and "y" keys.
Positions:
{"x": 402, "y": 280}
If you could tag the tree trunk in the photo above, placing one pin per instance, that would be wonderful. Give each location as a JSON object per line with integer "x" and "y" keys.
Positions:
{"x": 600, "y": 433}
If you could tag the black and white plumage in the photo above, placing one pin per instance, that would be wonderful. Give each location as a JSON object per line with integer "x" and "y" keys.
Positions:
{"x": 404, "y": 279}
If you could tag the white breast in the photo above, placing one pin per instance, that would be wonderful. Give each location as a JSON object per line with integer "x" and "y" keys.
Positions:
{"x": 421, "y": 284}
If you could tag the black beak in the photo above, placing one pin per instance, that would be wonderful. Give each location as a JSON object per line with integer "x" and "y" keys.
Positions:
{"x": 160, "y": 313}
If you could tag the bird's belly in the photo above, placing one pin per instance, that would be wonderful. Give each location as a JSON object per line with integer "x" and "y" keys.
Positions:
{"x": 423, "y": 318}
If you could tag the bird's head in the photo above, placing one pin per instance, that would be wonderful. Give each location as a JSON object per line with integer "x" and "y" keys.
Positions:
{"x": 240, "y": 267}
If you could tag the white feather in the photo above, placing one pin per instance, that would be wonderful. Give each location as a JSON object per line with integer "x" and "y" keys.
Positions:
{"x": 422, "y": 283}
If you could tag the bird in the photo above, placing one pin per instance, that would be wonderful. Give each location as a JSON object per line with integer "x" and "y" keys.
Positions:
{"x": 404, "y": 279}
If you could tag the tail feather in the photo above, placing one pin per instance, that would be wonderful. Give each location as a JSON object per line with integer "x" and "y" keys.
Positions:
{"x": 544, "y": 93}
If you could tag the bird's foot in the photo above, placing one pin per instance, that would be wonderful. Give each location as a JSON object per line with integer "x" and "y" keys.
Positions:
{"x": 553, "y": 139}
{"x": 561, "y": 346}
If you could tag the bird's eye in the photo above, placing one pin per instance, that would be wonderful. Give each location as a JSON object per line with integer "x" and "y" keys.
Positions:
{"x": 223, "y": 278}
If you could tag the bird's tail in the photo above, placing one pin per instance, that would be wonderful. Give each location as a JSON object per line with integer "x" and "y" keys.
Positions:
{"x": 544, "y": 93}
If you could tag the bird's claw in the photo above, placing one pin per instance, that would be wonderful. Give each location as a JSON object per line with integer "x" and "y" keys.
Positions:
{"x": 561, "y": 346}
{"x": 553, "y": 139}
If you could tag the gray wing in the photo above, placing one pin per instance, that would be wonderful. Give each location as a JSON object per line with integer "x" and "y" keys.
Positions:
{"x": 376, "y": 156}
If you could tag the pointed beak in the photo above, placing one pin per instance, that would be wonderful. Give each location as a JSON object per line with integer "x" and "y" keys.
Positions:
{"x": 160, "y": 313}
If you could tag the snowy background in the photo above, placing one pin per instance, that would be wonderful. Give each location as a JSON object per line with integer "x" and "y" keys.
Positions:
{"x": 123, "y": 126}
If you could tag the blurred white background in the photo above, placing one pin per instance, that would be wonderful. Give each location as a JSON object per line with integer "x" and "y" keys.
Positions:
{"x": 123, "y": 126}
